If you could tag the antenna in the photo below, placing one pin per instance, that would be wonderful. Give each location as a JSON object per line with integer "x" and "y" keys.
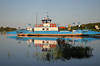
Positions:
{"x": 36, "y": 17}
{"x": 47, "y": 14}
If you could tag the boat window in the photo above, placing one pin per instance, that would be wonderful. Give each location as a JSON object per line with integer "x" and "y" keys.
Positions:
{"x": 47, "y": 42}
{"x": 43, "y": 42}
{"x": 43, "y": 29}
{"x": 47, "y": 29}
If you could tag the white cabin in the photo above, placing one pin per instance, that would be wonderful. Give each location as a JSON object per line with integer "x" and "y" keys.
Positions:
{"x": 45, "y": 28}
{"x": 46, "y": 25}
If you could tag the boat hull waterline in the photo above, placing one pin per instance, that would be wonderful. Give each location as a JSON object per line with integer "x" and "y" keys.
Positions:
{"x": 48, "y": 34}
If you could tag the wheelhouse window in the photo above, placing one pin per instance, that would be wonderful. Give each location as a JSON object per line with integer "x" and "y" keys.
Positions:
{"x": 47, "y": 28}
{"x": 43, "y": 29}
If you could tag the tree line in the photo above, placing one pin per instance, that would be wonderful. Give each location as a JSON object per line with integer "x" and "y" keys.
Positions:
{"x": 2, "y": 29}
{"x": 89, "y": 26}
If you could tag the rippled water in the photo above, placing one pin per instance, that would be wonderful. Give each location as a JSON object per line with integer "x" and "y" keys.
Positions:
{"x": 49, "y": 51}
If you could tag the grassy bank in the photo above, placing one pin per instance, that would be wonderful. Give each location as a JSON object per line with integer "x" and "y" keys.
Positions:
{"x": 7, "y": 29}
{"x": 89, "y": 26}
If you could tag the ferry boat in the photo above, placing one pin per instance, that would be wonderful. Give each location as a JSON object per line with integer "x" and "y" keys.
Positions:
{"x": 47, "y": 28}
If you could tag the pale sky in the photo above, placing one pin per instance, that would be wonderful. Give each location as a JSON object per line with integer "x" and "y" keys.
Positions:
{"x": 17, "y": 13}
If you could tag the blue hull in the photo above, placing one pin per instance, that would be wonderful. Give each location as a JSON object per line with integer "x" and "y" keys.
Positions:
{"x": 75, "y": 32}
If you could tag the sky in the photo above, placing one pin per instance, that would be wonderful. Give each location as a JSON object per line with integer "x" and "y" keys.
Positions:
{"x": 17, "y": 13}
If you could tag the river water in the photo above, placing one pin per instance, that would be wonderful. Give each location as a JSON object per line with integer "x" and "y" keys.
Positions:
{"x": 49, "y": 51}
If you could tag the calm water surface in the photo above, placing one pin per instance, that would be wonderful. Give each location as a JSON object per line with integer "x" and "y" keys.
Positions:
{"x": 49, "y": 51}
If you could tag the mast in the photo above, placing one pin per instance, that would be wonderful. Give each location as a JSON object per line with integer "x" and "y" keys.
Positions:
{"x": 36, "y": 18}
{"x": 46, "y": 14}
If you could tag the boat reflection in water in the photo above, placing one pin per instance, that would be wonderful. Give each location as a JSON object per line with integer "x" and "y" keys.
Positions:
{"x": 59, "y": 48}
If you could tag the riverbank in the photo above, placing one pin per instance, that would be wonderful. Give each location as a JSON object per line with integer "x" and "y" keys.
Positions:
{"x": 7, "y": 29}
{"x": 89, "y": 26}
